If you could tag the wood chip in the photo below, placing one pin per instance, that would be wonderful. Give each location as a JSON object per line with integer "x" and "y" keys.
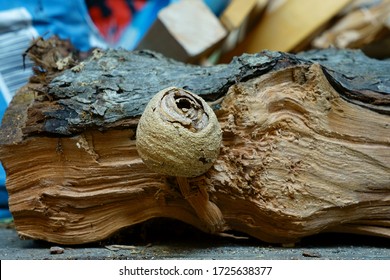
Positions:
{"x": 55, "y": 250}
{"x": 120, "y": 247}
{"x": 311, "y": 254}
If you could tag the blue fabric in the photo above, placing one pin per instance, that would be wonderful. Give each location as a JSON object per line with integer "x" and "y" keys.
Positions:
{"x": 67, "y": 19}
{"x": 141, "y": 23}
{"x": 2, "y": 177}
{"x": 217, "y": 6}
{"x": 3, "y": 106}
{"x": 4, "y": 212}
{"x": 3, "y": 198}
{"x": 70, "y": 20}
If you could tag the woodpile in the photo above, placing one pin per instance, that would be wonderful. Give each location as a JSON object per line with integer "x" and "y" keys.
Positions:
{"x": 305, "y": 145}
{"x": 189, "y": 32}
{"x": 300, "y": 25}
{"x": 357, "y": 28}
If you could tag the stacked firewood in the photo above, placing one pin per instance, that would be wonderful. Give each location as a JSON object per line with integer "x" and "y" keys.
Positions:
{"x": 187, "y": 31}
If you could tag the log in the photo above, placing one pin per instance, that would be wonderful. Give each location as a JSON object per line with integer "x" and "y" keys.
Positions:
{"x": 305, "y": 145}
{"x": 290, "y": 25}
{"x": 357, "y": 28}
{"x": 238, "y": 20}
{"x": 185, "y": 31}
{"x": 237, "y": 16}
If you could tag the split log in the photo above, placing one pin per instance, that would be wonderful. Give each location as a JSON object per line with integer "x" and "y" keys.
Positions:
{"x": 358, "y": 28}
{"x": 186, "y": 31}
{"x": 290, "y": 25}
{"x": 306, "y": 146}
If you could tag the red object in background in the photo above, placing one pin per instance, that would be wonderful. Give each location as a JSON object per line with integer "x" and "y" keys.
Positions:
{"x": 111, "y": 17}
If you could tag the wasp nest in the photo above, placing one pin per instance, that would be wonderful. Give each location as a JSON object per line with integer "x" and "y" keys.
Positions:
{"x": 178, "y": 134}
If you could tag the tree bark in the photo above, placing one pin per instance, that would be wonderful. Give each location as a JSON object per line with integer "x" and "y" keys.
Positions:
{"x": 306, "y": 146}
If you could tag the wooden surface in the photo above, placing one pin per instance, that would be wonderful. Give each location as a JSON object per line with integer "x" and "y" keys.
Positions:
{"x": 287, "y": 24}
{"x": 239, "y": 19}
{"x": 235, "y": 15}
{"x": 305, "y": 147}
{"x": 185, "y": 31}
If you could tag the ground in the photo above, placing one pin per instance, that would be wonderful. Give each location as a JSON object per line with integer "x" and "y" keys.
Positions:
{"x": 188, "y": 243}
